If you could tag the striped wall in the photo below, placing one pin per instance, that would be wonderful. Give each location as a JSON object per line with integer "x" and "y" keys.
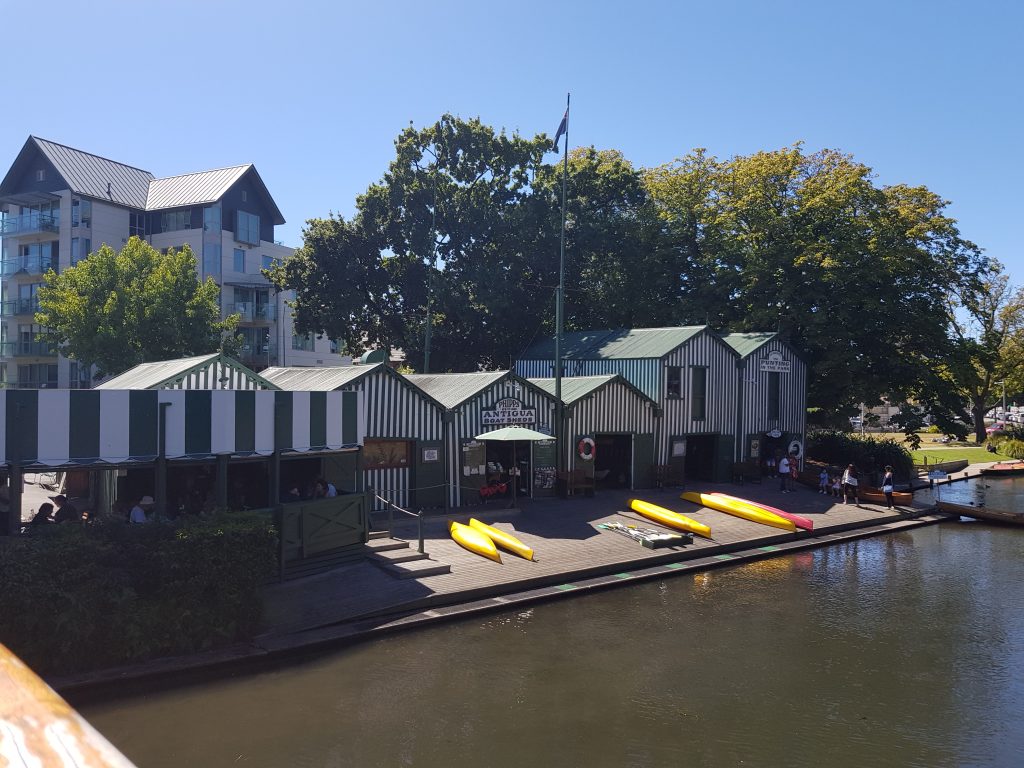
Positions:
{"x": 64, "y": 427}
{"x": 468, "y": 422}
{"x": 645, "y": 374}
{"x": 612, "y": 408}
{"x": 753, "y": 418}
{"x": 218, "y": 375}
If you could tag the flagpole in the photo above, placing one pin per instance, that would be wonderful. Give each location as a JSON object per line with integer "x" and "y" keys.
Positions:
{"x": 560, "y": 309}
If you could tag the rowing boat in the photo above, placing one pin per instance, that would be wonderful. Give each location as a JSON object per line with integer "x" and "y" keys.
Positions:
{"x": 473, "y": 540}
{"x": 745, "y": 511}
{"x": 981, "y": 513}
{"x": 798, "y": 520}
{"x": 502, "y": 539}
{"x": 669, "y": 518}
{"x": 1004, "y": 468}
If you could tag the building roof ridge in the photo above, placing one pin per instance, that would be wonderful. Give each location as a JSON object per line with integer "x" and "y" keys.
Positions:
{"x": 90, "y": 154}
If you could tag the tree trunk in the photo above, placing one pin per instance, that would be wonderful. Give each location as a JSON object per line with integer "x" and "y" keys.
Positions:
{"x": 978, "y": 411}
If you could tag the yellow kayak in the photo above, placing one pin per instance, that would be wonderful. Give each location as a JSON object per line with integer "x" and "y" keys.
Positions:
{"x": 473, "y": 540}
{"x": 669, "y": 518}
{"x": 504, "y": 540}
{"x": 739, "y": 509}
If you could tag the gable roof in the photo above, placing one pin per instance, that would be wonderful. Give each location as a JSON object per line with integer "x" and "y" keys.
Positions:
{"x": 616, "y": 344}
{"x": 159, "y": 374}
{"x": 576, "y": 388}
{"x": 453, "y": 389}
{"x": 193, "y": 188}
{"x": 317, "y": 379}
{"x": 747, "y": 343}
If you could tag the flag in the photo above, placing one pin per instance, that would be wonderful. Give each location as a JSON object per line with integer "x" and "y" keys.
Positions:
{"x": 562, "y": 128}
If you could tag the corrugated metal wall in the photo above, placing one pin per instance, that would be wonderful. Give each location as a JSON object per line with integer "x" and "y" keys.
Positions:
{"x": 613, "y": 408}
{"x": 217, "y": 375}
{"x": 644, "y": 374}
{"x": 792, "y": 396}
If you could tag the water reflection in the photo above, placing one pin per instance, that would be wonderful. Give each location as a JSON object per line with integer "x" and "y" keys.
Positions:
{"x": 900, "y": 650}
{"x": 1006, "y": 493}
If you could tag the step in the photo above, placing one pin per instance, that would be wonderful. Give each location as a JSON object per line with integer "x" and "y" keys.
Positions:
{"x": 379, "y": 535}
{"x": 406, "y": 555}
{"x": 385, "y": 545}
{"x": 416, "y": 569}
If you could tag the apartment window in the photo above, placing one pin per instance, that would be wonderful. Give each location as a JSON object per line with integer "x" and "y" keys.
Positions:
{"x": 303, "y": 343}
{"x": 247, "y": 228}
{"x": 79, "y": 375}
{"x": 41, "y": 174}
{"x": 137, "y": 224}
{"x": 774, "y": 396}
{"x": 81, "y": 213}
{"x": 172, "y": 221}
{"x": 245, "y": 196}
{"x": 269, "y": 262}
{"x": 81, "y": 247}
{"x": 675, "y": 382}
{"x": 239, "y": 260}
{"x": 211, "y": 258}
{"x": 40, "y": 375}
{"x": 698, "y": 394}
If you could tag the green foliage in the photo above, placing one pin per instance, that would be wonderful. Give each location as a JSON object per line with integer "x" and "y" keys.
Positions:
{"x": 1010, "y": 443}
{"x": 79, "y": 598}
{"x": 118, "y": 309}
{"x": 868, "y": 454}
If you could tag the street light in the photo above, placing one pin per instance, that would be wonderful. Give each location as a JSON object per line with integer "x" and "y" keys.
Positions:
{"x": 1003, "y": 382}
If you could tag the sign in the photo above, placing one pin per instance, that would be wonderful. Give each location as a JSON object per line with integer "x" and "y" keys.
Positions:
{"x": 679, "y": 447}
{"x": 937, "y": 474}
{"x": 755, "y": 448}
{"x": 775, "y": 433}
{"x": 796, "y": 448}
{"x": 431, "y": 455}
{"x": 775, "y": 363}
{"x": 509, "y": 411}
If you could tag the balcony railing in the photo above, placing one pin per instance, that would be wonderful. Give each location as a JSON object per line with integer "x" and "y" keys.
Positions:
{"x": 258, "y": 354}
{"x": 253, "y": 313}
{"x": 28, "y": 223}
{"x": 27, "y": 349}
{"x": 15, "y": 307}
{"x": 28, "y": 265}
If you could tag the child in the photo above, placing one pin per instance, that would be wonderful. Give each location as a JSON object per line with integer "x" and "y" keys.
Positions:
{"x": 823, "y": 481}
{"x": 837, "y": 486}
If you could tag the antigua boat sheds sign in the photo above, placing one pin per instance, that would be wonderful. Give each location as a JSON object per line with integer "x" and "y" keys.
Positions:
{"x": 509, "y": 411}
{"x": 775, "y": 363}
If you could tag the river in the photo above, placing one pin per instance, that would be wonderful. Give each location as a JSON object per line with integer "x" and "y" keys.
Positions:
{"x": 900, "y": 650}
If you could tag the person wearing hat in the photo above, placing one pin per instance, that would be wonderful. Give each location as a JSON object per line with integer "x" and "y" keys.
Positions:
{"x": 66, "y": 511}
{"x": 138, "y": 513}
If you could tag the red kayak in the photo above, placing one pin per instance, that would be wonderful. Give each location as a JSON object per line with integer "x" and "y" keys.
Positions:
{"x": 798, "y": 520}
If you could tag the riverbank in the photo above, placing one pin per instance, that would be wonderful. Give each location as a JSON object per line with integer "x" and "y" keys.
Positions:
{"x": 364, "y": 599}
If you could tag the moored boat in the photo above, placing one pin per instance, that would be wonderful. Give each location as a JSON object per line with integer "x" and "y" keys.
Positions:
{"x": 1005, "y": 468}
{"x": 762, "y": 516}
{"x": 798, "y": 520}
{"x": 669, "y": 518}
{"x": 981, "y": 513}
{"x": 475, "y": 541}
{"x": 502, "y": 539}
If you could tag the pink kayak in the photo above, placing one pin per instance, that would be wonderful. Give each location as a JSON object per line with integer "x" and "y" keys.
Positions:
{"x": 798, "y": 520}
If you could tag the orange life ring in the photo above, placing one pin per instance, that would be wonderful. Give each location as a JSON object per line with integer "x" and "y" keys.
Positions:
{"x": 586, "y": 449}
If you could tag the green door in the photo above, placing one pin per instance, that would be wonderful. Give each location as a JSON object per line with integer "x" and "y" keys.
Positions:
{"x": 724, "y": 458}
{"x": 428, "y": 491}
{"x": 643, "y": 461}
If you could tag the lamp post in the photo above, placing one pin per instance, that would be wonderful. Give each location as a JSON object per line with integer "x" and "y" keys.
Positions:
{"x": 1003, "y": 382}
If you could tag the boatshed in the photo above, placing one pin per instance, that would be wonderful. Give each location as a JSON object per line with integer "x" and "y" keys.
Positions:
{"x": 610, "y": 429}
{"x": 772, "y": 401}
{"x": 689, "y": 371}
{"x": 402, "y": 458}
{"x": 474, "y": 403}
{"x": 213, "y": 371}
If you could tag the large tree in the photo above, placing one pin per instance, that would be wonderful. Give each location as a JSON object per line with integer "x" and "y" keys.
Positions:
{"x": 118, "y": 309}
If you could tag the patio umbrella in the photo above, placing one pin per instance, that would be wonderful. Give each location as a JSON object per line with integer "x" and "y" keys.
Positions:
{"x": 513, "y": 435}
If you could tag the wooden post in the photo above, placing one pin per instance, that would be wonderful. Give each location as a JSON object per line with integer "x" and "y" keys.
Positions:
{"x": 12, "y": 525}
{"x": 160, "y": 491}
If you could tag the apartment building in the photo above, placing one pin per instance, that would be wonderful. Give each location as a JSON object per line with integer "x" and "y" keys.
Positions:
{"x": 58, "y": 204}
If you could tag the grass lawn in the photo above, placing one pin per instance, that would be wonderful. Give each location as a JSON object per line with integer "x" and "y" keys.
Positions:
{"x": 973, "y": 454}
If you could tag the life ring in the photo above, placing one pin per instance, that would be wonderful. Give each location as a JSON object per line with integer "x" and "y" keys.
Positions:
{"x": 586, "y": 448}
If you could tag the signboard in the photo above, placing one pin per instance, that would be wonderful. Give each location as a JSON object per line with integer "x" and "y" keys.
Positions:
{"x": 775, "y": 433}
{"x": 755, "y": 448}
{"x": 937, "y": 474}
{"x": 544, "y": 458}
{"x": 775, "y": 363}
{"x": 509, "y": 411}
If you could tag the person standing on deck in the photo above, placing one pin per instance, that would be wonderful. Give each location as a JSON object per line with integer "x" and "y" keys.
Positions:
{"x": 850, "y": 484}
{"x": 887, "y": 486}
{"x": 783, "y": 473}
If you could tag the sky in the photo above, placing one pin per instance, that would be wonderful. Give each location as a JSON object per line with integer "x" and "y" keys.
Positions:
{"x": 314, "y": 93}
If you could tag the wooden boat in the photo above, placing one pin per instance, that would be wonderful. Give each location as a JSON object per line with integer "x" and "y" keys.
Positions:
{"x": 809, "y": 477}
{"x": 669, "y": 518}
{"x": 798, "y": 520}
{"x": 473, "y": 540}
{"x": 1004, "y": 468}
{"x": 981, "y": 513}
{"x": 502, "y": 539}
{"x": 745, "y": 511}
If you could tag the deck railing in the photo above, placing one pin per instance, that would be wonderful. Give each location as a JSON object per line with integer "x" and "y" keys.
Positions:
{"x": 392, "y": 508}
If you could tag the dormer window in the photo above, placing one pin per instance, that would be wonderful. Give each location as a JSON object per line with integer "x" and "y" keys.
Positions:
{"x": 41, "y": 174}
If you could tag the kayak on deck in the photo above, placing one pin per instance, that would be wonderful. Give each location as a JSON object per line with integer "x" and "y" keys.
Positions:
{"x": 745, "y": 511}
{"x": 798, "y": 520}
{"x": 502, "y": 539}
{"x": 474, "y": 540}
{"x": 669, "y": 518}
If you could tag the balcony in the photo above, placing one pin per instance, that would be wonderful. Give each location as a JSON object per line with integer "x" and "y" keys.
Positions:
{"x": 252, "y": 313}
{"x": 28, "y": 224}
{"x": 27, "y": 349}
{"x": 27, "y": 265}
{"x": 258, "y": 354}
{"x": 16, "y": 307}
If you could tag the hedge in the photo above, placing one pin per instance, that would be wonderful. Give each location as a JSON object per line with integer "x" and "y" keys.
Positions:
{"x": 868, "y": 454}
{"x": 1010, "y": 443}
{"x": 76, "y": 598}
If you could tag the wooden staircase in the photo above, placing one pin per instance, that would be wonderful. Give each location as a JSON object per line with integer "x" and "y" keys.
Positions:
{"x": 400, "y": 560}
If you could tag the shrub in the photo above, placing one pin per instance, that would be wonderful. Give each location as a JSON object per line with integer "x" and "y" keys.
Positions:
{"x": 867, "y": 454}
{"x": 1010, "y": 443}
{"x": 77, "y": 598}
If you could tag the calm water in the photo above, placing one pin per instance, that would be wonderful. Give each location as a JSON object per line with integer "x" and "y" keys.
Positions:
{"x": 905, "y": 650}
{"x": 1005, "y": 493}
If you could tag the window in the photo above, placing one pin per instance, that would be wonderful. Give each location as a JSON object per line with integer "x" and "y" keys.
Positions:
{"x": 81, "y": 213}
{"x": 41, "y": 375}
{"x": 303, "y": 343}
{"x": 385, "y": 454}
{"x": 269, "y": 262}
{"x": 247, "y": 228}
{"x": 675, "y": 382}
{"x": 211, "y": 218}
{"x": 774, "y": 396}
{"x": 239, "y": 260}
{"x": 137, "y": 224}
{"x": 211, "y": 258}
{"x": 698, "y": 394}
{"x": 79, "y": 375}
{"x": 41, "y": 174}
{"x": 172, "y": 221}
{"x": 81, "y": 247}
{"x": 245, "y": 196}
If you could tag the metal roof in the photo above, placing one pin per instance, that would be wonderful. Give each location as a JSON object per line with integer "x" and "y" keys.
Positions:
{"x": 156, "y": 374}
{"x": 317, "y": 379}
{"x": 92, "y": 175}
{"x": 453, "y": 389}
{"x": 193, "y": 188}
{"x": 576, "y": 388}
{"x": 618, "y": 344}
{"x": 747, "y": 343}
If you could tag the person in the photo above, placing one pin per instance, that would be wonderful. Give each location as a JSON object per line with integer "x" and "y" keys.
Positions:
{"x": 42, "y": 517}
{"x": 138, "y": 513}
{"x": 770, "y": 465}
{"x": 837, "y": 485}
{"x": 850, "y": 484}
{"x": 783, "y": 473}
{"x": 887, "y": 486}
{"x": 66, "y": 511}
{"x": 794, "y": 471}
{"x": 332, "y": 491}
{"x": 823, "y": 481}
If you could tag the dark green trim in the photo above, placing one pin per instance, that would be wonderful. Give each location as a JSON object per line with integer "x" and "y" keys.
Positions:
{"x": 84, "y": 426}
{"x": 283, "y": 421}
{"x": 245, "y": 421}
{"x": 349, "y": 418}
{"x": 22, "y": 425}
{"x": 198, "y": 412}
{"x": 142, "y": 423}
{"x": 318, "y": 419}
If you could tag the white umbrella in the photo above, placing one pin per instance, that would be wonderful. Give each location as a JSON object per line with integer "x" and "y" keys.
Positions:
{"x": 513, "y": 435}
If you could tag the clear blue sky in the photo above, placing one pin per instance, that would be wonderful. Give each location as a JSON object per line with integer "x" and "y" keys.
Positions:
{"x": 314, "y": 93}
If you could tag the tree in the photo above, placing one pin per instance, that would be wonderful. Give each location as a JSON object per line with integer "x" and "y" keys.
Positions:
{"x": 118, "y": 309}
